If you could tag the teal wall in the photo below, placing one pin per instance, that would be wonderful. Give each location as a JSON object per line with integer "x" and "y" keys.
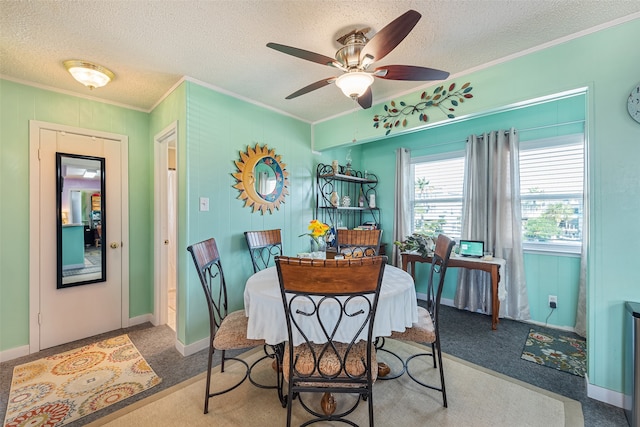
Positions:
{"x": 18, "y": 105}
{"x": 605, "y": 63}
{"x": 213, "y": 128}
{"x": 218, "y": 128}
{"x": 542, "y": 120}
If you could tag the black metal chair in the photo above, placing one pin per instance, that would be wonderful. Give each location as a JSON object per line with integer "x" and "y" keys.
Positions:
{"x": 358, "y": 243}
{"x": 322, "y": 355}
{"x": 228, "y": 330}
{"x": 263, "y": 246}
{"x": 426, "y": 330}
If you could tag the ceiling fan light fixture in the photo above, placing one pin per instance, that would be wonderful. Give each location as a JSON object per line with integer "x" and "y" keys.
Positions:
{"x": 89, "y": 74}
{"x": 354, "y": 84}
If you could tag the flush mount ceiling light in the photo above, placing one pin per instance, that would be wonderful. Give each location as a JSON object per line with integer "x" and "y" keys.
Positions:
{"x": 90, "y": 75}
{"x": 354, "y": 84}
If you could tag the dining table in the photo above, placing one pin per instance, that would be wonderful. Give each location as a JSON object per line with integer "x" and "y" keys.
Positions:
{"x": 397, "y": 306}
{"x": 397, "y": 310}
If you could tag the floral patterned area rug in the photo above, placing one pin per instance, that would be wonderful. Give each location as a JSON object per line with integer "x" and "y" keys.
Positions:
{"x": 558, "y": 350}
{"x": 56, "y": 390}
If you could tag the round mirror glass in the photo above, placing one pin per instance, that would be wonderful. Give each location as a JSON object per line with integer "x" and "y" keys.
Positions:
{"x": 268, "y": 177}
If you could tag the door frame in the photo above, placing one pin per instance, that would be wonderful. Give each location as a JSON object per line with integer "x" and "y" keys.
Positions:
{"x": 160, "y": 215}
{"x": 34, "y": 221}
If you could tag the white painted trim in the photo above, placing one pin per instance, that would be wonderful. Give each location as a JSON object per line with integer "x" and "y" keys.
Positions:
{"x": 71, "y": 93}
{"x": 34, "y": 236}
{"x": 124, "y": 206}
{"x": 602, "y": 394}
{"x": 159, "y": 279}
{"x": 188, "y": 350}
{"x": 34, "y": 220}
{"x": 139, "y": 320}
{"x": 14, "y": 353}
{"x": 167, "y": 93}
{"x": 243, "y": 98}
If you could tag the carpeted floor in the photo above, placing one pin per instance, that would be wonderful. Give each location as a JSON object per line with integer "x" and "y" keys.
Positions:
{"x": 465, "y": 335}
{"x": 501, "y": 350}
{"x": 396, "y": 402}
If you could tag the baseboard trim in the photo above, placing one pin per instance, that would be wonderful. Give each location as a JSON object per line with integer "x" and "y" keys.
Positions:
{"x": 188, "y": 350}
{"x": 139, "y": 320}
{"x": 605, "y": 395}
{"x": 14, "y": 353}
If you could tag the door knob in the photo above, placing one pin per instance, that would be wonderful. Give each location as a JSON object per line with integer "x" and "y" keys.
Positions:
{"x": 114, "y": 245}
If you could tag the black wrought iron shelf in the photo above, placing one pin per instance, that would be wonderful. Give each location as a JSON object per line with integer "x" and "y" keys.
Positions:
{"x": 349, "y": 178}
{"x": 360, "y": 187}
{"x": 349, "y": 208}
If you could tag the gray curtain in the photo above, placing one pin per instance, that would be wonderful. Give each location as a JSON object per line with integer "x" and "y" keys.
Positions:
{"x": 491, "y": 213}
{"x": 402, "y": 202}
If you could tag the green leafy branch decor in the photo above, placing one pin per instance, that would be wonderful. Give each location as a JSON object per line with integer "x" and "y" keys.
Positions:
{"x": 438, "y": 99}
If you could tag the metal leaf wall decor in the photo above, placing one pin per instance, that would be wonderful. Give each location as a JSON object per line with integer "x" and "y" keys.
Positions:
{"x": 445, "y": 100}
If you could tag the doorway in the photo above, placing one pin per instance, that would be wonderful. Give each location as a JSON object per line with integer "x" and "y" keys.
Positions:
{"x": 58, "y": 316}
{"x": 166, "y": 272}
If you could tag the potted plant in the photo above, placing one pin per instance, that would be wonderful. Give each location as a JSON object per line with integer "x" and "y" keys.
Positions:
{"x": 417, "y": 242}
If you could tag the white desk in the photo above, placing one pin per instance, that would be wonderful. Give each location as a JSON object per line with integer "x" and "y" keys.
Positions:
{"x": 397, "y": 305}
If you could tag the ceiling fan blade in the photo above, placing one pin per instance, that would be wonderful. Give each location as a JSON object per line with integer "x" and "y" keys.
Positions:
{"x": 311, "y": 87}
{"x": 385, "y": 40}
{"x": 410, "y": 72}
{"x": 302, "y": 54}
{"x": 366, "y": 99}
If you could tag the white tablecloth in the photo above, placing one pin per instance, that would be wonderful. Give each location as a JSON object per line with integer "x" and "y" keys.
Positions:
{"x": 397, "y": 306}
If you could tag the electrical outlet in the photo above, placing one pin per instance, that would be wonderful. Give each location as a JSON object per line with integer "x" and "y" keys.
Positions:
{"x": 553, "y": 301}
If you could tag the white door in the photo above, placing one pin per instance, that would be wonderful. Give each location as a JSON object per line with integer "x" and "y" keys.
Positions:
{"x": 165, "y": 226}
{"x": 77, "y": 312}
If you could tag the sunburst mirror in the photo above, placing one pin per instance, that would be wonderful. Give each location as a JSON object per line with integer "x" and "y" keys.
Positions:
{"x": 261, "y": 178}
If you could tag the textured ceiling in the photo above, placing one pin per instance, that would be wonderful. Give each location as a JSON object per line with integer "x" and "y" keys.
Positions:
{"x": 151, "y": 45}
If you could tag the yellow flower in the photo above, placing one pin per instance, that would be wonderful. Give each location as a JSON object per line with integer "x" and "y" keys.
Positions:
{"x": 317, "y": 229}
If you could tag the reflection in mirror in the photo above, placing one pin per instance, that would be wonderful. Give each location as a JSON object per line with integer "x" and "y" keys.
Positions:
{"x": 81, "y": 224}
{"x": 265, "y": 177}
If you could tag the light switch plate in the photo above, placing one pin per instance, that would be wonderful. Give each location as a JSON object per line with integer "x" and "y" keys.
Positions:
{"x": 204, "y": 204}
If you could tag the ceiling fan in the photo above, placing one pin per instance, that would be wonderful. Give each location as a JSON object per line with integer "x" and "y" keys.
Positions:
{"x": 357, "y": 55}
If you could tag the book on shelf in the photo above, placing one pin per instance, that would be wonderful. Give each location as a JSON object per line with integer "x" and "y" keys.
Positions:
{"x": 367, "y": 226}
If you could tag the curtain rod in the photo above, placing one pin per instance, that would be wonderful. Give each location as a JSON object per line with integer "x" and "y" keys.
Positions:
{"x": 517, "y": 130}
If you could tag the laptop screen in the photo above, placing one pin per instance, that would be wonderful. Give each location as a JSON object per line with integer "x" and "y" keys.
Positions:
{"x": 473, "y": 248}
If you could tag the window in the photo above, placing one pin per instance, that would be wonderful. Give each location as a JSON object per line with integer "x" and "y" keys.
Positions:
{"x": 551, "y": 189}
{"x": 437, "y": 201}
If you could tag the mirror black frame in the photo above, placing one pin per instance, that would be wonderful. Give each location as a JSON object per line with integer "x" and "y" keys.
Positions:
{"x": 59, "y": 220}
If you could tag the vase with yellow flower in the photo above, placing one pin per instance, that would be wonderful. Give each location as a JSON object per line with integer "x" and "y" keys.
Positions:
{"x": 318, "y": 232}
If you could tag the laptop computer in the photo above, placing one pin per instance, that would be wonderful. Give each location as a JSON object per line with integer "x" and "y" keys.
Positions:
{"x": 472, "y": 248}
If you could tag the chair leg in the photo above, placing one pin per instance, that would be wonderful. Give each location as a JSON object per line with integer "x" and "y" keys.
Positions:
{"x": 207, "y": 391}
{"x": 444, "y": 392}
{"x": 370, "y": 408}
{"x": 433, "y": 351}
{"x": 289, "y": 406}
